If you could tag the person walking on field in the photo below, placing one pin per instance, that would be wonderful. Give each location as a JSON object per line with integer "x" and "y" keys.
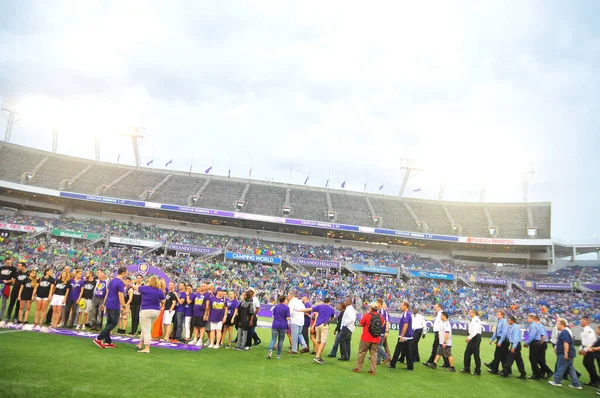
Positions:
{"x": 473, "y": 344}
{"x": 372, "y": 324}
{"x": 114, "y": 303}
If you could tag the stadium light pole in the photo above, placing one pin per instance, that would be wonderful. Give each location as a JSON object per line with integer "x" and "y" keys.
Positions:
{"x": 442, "y": 189}
{"x": 55, "y": 133}
{"x": 137, "y": 136}
{"x": 10, "y": 112}
{"x": 407, "y": 167}
{"x": 527, "y": 177}
{"x": 482, "y": 192}
{"x": 97, "y": 148}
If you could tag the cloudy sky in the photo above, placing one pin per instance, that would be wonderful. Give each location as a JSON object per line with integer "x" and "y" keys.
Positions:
{"x": 472, "y": 91}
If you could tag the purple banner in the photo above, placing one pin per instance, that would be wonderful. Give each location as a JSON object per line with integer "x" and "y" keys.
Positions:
{"x": 553, "y": 286}
{"x": 320, "y": 224}
{"x": 145, "y": 269}
{"x": 488, "y": 280}
{"x": 198, "y": 210}
{"x": 191, "y": 248}
{"x": 311, "y": 262}
{"x": 526, "y": 284}
{"x": 592, "y": 286}
{"x": 88, "y": 335}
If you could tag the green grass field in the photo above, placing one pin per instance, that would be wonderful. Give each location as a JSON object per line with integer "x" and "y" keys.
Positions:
{"x": 44, "y": 365}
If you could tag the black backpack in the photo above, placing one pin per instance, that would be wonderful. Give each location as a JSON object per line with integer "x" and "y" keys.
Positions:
{"x": 376, "y": 325}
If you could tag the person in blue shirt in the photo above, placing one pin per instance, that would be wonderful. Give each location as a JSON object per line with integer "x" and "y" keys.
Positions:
{"x": 565, "y": 353}
{"x": 534, "y": 343}
{"x": 500, "y": 338}
{"x": 514, "y": 351}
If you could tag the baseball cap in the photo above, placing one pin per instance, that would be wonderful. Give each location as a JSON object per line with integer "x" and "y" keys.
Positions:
{"x": 374, "y": 305}
{"x": 219, "y": 289}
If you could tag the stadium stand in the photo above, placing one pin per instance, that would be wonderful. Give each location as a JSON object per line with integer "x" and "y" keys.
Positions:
{"x": 177, "y": 190}
{"x": 308, "y": 204}
{"x": 265, "y": 199}
{"x": 394, "y": 214}
{"x": 351, "y": 209}
{"x": 15, "y": 163}
{"x": 56, "y": 170}
{"x": 470, "y": 218}
{"x": 221, "y": 194}
{"x": 132, "y": 186}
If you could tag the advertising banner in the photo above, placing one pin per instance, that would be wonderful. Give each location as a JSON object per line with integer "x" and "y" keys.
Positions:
{"x": 553, "y": 286}
{"x": 431, "y": 275}
{"x": 133, "y": 242}
{"x": 192, "y": 249}
{"x": 592, "y": 286}
{"x": 311, "y": 262}
{"x": 374, "y": 269}
{"x": 252, "y": 258}
{"x": 486, "y": 280}
{"x": 19, "y": 227}
{"x": 65, "y": 233}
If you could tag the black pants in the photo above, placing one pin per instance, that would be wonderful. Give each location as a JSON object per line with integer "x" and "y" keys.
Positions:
{"x": 514, "y": 357}
{"x": 417, "y": 334}
{"x": 344, "y": 343}
{"x": 112, "y": 320}
{"x": 535, "y": 353}
{"x": 14, "y": 294}
{"x": 70, "y": 313}
{"x": 542, "y": 359}
{"x": 404, "y": 348}
{"x": 473, "y": 350}
{"x": 590, "y": 365}
{"x": 306, "y": 336}
{"x": 252, "y": 337}
{"x": 500, "y": 355}
{"x": 179, "y": 317}
{"x": 49, "y": 315}
{"x": 434, "y": 347}
{"x": 135, "y": 318}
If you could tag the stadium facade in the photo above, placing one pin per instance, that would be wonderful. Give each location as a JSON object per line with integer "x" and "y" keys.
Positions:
{"x": 512, "y": 234}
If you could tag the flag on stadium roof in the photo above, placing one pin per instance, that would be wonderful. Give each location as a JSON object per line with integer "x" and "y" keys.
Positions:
{"x": 168, "y": 163}
{"x": 118, "y": 158}
{"x": 150, "y": 162}
{"x": 229, "y": 174}
{"x": 365, "y": 186}
{"x": 381, "y": 187}
{"x": 306, "y": 181}
{"x": 417, "y": 190}
{"x": 208, "y": 170}
{"x": 327, "y": 183}
{"x": 344, "y": 184}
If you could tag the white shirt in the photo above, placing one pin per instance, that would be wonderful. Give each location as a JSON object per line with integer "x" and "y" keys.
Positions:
{"x": 446, "y": 328}
{"x": 349, "y": 318}
{"x": 588, "y": 338}
{"x": 297, "y": 317}
{"x": 437, "y": 324}
{"x": 418, "y": 322}
{"x": 256, "y": 303}
{"x": 475, "y": 327}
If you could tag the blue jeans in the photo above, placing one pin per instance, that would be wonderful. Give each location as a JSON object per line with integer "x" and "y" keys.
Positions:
{"x": 561, "y": 367}
{"x": 336, "y": 343}
{"x": 297, "y": 336}
{"x": 277, "y": 334}
{"x": 179, "y": 318}
{"x": 381, "y": 354}
{"x": 112, "y": 320}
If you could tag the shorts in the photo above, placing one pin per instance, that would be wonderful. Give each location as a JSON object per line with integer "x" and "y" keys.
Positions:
{"x": 58, "y": 300}
{"x": 168, "y": 317}
{"x": 216, "y": 325}
{"x": 445, "y": 352}
{"x": 228, "y": 321}
{"x": 208, "y": 326}
{"x": 88, "y": 306}
{"x": 27, "y": 298}
{"x": 198, "y": 322}
{"x": 321, "y": 333}
{"x": 41, "y": 299}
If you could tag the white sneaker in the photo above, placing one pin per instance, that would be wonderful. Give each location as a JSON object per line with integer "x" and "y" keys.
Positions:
{"x": 199, "y": 344}
{"x": 575, "y": 387}
{"x": 216, "y": 347}
{"x": 555, "y": 384}
{"x": 210, "y": 346}
{"x": 247, "y": 348}
{"x": 194, "y": 342}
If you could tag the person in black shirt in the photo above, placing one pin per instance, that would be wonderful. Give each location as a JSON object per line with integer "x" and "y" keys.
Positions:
{"x": 62, "y": 289}
{"x": 8, "y": 273}
{"x": 26, "y": 295}
{"x": 128, "y": 296}
{"x": 336, "y": 332}
{"x": 44, "y": 292}
{"x": 134, "y": 307}
{"x": 20, "y": 279}
{"x": 171, "y": 301}
{"x": 89, "y": 285}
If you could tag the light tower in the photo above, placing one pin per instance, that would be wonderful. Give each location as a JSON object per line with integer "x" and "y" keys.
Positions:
{"x": 137, "y": 136}
{"x": 527, "y": 176}
{"x": 97, "y": 148}
{"x": 55, "y": 133}
{"x": 407, "y": 167}
{"x": 10, "y": 112}
{"x": 442, "y": 189}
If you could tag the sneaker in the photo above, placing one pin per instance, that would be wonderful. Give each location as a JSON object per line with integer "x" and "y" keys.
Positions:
{"x": 278, "y": 357}
{"x": 304, "y": 350}
{"x": 199, "y": 343}
{"x": 193, "y": 342}
{"x": 99, "y": 343}
{"x": 575, "y": 387}
{"x": 247, "y": 348}
{"x": 210, "y": 346}
{"x": 432, "y": 365}
{"x": 555, "y": 384}
{"x": 269, "y": 354}
{"x": 110, "y": 345}
{"x": 227, "y": 347}
{"x": 216, "y": 346}
{"x": 319, "y": 361}
{"x": 451, "y": 369}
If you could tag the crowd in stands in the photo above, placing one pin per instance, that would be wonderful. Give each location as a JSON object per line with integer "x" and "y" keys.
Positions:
{"x": 255, "y": 246}
{"x": 199, "y": 239}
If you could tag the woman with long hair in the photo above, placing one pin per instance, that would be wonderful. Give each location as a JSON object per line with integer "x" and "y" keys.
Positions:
{"x": 153, "y": 300}
{"x": 59, "y": 298}
{"x": 89, "y": 285}
{"x": 72, "y": 304}
{"x": 43, "y": 295}
{"x": 128, "y": 296}
{"x": 26, "y": 294}
{"x": 232, "y": 305}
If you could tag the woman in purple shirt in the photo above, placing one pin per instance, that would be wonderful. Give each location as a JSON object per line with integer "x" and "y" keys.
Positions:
{"x": 232, "y": 305}
{"x": 281, "y": 317}
{"x": 218, "y": 315}
{"x": 153, "y": 300}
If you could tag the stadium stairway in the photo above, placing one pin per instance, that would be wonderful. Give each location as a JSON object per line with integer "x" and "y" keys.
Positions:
{"x": 92, "y": 243}
{"x": 464, "y": 280}
{"x": 293, "y": 264}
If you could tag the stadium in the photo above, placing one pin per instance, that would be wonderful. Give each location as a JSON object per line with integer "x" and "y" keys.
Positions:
{"x": 240, "y": 286}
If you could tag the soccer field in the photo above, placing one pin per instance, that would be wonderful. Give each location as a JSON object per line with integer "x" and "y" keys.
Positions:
{"x": 46, "y": 365}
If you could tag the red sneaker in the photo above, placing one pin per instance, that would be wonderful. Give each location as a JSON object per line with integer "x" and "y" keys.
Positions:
{"x": 99, "y": 343}
{"x": 110, "y": 346}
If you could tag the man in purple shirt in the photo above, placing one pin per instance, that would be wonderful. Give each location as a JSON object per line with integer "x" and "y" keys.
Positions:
{"x": 113, "y": 302}
{"x": 218, "y": 314}
{"x": 180, "y": 312}
{"x": 324, "y": 314}
{"x": 405, "y": 336}
{"x": 306, "y": 327}
{"x": 200, "y": 314}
